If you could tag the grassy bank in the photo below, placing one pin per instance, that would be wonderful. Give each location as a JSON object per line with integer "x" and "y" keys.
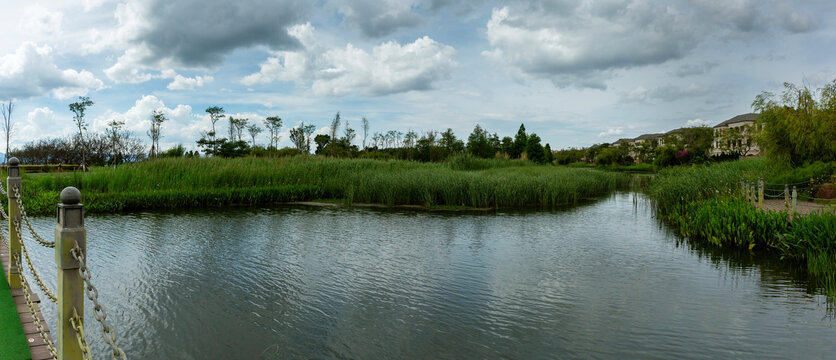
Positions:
{"x": 193, "y": 182}
{"x": 703, "y": 203}
{"x": 12, "y": 339}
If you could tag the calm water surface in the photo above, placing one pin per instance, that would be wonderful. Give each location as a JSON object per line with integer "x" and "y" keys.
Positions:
{"x": 603, "y": 280}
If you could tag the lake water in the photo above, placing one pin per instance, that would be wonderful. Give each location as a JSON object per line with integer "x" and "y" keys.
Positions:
{"x": 601, "y": 280}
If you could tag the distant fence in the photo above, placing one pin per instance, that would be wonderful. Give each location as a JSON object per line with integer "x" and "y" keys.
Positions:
{"x": 74, "y": 281}
{"x": 756, "y": 193}
{"x": 45, "y": 168}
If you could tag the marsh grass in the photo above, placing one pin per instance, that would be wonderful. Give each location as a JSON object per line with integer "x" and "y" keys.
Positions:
{"x": 704, "y": 203}
{"x": 191, "y": 182}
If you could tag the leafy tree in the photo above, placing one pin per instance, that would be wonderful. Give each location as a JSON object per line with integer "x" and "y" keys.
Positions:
{"x": 157, "y": 120}
{"x": 478, "y": 144}
{"x": 799, "y": 127}
{"x": 520, "y": 143}
{"x": 350, "y": 134}
{"x": 114, "y": 132}
{"x": 273, "y": 125}
{"x": 534, "y": 150}
{"x": 547, "y": 152}
{"x": 79, "y": 108}
{"x": 254, "y": 130}
{"x": 321, "y": 141}
{"x": 450, "y": 143}
{"x": 215, "y": 114}
{"x": 507, "y": 146}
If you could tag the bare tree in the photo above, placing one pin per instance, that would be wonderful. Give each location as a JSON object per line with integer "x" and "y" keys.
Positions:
{"x": 349, "y": 135}
{"x": 78, "y": 108}
{"x": 365, "y": 131}
{"x": 114, "y": 131}
{"x": 157, "y": 120}
{"x": 8, "y": 125}
{"x": 335, "y": 124}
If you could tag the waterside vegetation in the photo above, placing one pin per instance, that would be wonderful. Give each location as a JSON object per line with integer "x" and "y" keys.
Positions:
{"x": 462, "y": 181}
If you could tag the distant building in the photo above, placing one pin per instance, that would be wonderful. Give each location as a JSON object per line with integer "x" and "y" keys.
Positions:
{"x": 743, "y": 141}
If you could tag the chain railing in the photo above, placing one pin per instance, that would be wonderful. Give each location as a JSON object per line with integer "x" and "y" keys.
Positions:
{"x": 38, "y": 238}
{"x": 98, "y": 310}
{"x": 49, "y": 294}
{"x": 34, "y": 311}
{"x": 73, "y": 273}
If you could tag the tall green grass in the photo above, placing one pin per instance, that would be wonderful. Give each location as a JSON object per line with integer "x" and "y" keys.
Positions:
{"x": 704, "y": 203}
{"x": 185, "y": 182}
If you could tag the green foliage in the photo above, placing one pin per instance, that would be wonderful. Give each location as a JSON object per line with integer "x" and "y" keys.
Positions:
{"x": 176, "y": 151}
{"x": 478, "y": 144}
{"x": 535, "y": 150}
{"x": 798, "y": 128}
{"x": 179, "y": 182}
{"x": 520, "y": 142}
{"x": 665, "y": 156}
{"x": 607, "y": 156}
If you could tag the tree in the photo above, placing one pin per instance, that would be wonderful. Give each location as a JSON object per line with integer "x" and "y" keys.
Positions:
{"x": 321, "y": 141}
{"x": 800, "y": 127}
{"x": 534, "y": 150}
{"x": 365, "y": 131}
{"x": 450, "y": 143}
{"x": 547, "y": 151}
{"x": 273, "y": 125}
{"x": 78, "y": 108}
{"x": 350, "y": 134}
{"x": 301, "y": 137}
{"x": 335, "y": 124}
{"x": 240, "y": 126}
{"x": 478, "y": 144}
{"x": 520, "y": 142}
{"x": 157, "y": 120}
{"x": 114, "y": 132}
{"x": 215, "y": 114}
{"x": 8, "y": 125}
{"x": 254, "y": 130}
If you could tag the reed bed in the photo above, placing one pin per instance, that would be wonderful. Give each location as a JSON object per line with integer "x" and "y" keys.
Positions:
{"x": 192, "y": 182}
{"x": 704, "y": 203}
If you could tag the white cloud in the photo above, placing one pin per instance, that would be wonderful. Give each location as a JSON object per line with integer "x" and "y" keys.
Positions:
{"x": 181, "y": 82}
{"x": 182, "y": 127}
{"x": 611, "y": 132}
{"x": 30, "y": 72}
{"x": 390, "y": 67}
{"x": 698, "y": 122}
{"x": 582, "y": 49}
{"x": 38, "y": 23}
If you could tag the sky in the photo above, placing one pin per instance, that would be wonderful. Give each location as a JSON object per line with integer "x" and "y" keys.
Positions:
{"x": 576, "y": 72}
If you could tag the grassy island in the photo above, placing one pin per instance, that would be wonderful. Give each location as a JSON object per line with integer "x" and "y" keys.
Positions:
{"x": 172, "y": 183}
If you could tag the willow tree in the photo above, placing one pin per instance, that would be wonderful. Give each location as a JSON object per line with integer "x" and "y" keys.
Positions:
{"x": 800, "y": 126}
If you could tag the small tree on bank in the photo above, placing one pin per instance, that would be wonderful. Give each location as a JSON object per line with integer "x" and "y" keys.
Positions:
{"x": 157, "y": 120}
{"x": 79, "y": 108}
{"x": 8, "y": 125}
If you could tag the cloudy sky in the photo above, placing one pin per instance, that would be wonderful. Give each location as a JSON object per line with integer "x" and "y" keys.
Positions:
{"x": 576, "y": 72}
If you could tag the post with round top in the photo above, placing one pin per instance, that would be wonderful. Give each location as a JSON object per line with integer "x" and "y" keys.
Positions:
{"x": 12, "y": 183}
{"x": 69, "y": 234}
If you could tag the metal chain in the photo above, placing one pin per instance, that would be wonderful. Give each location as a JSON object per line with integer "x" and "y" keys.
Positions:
{"x": 38, "y": 238}
{"x": 26, "y": 291}
{"x": 3, "y": 190}
{"x": 78, "y": 326}
{"x": 3, "y": 211}
{"x": 98, "y": 311}
{"x": 35, "y": 274}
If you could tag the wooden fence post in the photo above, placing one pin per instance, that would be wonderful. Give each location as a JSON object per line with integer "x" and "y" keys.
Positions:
{"x": 13, "y": 182}
{"x": 794, "y": 198}
{"x": 786, "y": 197}
{"x": 69, "y": 231}
{"x": 760, "y": 193}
